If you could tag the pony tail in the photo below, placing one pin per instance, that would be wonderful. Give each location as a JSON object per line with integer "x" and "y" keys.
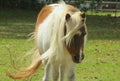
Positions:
{"x": 27, "y": 73}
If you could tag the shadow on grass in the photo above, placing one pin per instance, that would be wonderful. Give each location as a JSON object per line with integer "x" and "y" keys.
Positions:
{"x": 103, "y": 27}
{"x": 19, "y": 23}
{"x": 16, "y": 30}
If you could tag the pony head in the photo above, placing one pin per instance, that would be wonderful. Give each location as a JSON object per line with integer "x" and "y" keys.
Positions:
{"x": 75, "y": 34}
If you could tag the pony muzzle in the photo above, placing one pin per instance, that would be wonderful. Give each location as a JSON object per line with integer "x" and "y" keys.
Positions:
{"x": 78, "y": 58}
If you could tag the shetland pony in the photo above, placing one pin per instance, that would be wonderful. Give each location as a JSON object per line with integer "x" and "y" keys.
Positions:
{"x": 60, "y": 34}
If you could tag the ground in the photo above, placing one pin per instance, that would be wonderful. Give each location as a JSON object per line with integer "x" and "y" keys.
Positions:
{"x": 102, "y": 50}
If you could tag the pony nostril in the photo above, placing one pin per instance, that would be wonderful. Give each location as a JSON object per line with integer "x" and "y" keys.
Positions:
{"x": 76, "y": 58}
{"x": 83, "y": 15}
{"x": 83, "y": 20}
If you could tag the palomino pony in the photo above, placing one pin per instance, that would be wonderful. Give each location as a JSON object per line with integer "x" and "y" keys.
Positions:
{"x": 60, "y": 37}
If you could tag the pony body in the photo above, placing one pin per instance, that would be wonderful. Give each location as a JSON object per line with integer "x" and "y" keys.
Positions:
{"x": 59, "y": 35}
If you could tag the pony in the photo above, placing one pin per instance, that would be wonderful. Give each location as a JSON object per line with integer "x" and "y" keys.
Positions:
{"x": 60, "y": 36}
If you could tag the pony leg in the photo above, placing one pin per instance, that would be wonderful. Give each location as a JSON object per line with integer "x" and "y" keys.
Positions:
{"x": 71, "y": 74}
{"x": 55, "y": 71}
{"x": 62, "y": 72}
{"x": 47, "y": 72}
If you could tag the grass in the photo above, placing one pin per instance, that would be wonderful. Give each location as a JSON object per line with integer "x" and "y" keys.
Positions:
{"x": 102, "y": 51}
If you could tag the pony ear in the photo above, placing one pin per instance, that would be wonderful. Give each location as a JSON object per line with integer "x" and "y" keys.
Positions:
{"x": 67, "y": 17}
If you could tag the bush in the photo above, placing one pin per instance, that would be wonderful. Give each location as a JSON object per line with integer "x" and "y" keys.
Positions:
{"x": 19, "y": 4}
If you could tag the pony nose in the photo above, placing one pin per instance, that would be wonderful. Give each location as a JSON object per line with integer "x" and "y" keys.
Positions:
{"x": 76, "y": 59}
{"x": 83, "y": 15}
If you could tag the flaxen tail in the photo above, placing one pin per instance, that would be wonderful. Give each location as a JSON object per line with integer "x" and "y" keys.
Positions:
{"x": 27, "y": 73}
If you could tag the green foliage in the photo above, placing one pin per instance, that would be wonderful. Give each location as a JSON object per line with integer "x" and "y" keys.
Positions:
{"x": 92, "y": 4}
{"x": 84, "y": 9}
{"x": 19, "y": 4}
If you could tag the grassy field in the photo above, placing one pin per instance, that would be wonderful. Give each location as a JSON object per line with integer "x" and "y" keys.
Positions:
{"x": 102, "y": 52}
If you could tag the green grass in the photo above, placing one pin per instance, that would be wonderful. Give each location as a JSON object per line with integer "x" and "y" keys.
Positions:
{"x": 16, "y": 23}
{"x": 102, "y": 51}
{"x": 104, "y": 13}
